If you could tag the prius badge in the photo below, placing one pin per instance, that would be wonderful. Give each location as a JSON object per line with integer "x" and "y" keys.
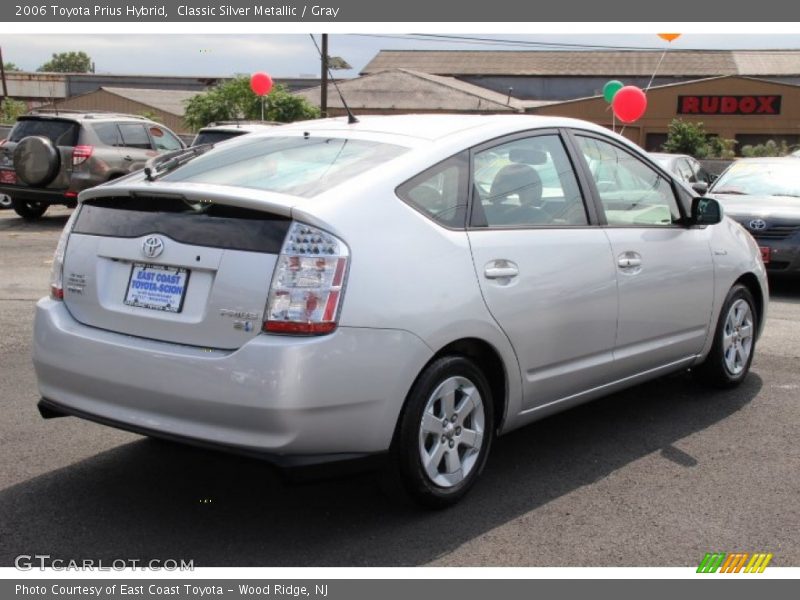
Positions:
{"x": 152, "y": 246}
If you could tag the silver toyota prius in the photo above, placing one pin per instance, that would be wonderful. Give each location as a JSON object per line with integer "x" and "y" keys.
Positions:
{"x": 405, "y": 286}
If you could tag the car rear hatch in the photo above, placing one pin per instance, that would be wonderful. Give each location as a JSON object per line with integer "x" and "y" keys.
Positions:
{"x": 183, "y": 268}
{"x": 63, "y": 133}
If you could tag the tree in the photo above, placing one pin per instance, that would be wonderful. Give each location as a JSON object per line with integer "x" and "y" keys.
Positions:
{"x": 235, "y": 100}
{"x": 768, "y": 148}
{"x": 687, "y": 138}
{"x": 337, "y": 63}
{"x": 691, "y": 138}
{"x": 9, "y": 66}
{"x": 11, "y": 109}
{"x": 68, "y": 62}
{"x": 285, "y": 107}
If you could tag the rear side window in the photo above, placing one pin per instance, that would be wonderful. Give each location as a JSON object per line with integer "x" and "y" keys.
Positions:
{"x": 302, "y": 166}
{"x": 441, "y": 191}
{"x": 134, "y": 135}
{"x": 108, "y": 133}
{"x": 198, "y": 223}
{"x": 60, "y": 132}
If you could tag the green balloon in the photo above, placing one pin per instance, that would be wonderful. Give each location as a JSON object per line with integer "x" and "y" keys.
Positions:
{"x": 610, "y": 89}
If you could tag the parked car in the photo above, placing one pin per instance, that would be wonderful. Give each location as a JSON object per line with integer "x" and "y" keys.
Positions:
{"x": 763, "y": 194}
{"x": 50, "y": 156}
{"x": 326, "y": 291}
{"x": 686, "y": 169}
{"x": 220, "y": 131}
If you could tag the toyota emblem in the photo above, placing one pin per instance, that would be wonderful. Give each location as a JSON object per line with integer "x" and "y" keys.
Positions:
{"x": 757, "y": 224}
{"x": 152, "y": 246}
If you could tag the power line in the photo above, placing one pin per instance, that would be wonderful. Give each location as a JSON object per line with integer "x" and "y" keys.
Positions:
{"x": 482, "y": 41}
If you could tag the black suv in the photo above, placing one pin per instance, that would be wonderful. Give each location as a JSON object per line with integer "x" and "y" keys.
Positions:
{"x": 50, "y": 156}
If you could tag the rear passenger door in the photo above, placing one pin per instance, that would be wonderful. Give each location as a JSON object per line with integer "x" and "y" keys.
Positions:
{"x": 137, "y": 148}
{"x": 544, "y": 267}
{"x": 664, "y": 269}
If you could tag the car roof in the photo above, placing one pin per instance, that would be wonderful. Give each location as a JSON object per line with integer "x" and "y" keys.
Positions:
{"x": 435, "y": 127}
{"x": 85, "y": 117}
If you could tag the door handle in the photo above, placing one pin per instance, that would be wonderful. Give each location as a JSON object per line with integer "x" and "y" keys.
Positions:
{"x": 127, "y": 157}
{"x": 629, "y": 260}
{"x": 500, "y": 269}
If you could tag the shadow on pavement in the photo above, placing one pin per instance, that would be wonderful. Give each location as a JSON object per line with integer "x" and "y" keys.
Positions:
{"x": 150, "y": 499}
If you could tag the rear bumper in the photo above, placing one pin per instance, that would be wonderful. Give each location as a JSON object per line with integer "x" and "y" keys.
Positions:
{"x": 784, "y": 255}
{"x": 43, "y": 195}
{"x": 290, "y": 400}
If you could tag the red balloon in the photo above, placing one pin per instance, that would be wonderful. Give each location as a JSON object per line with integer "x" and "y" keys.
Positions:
{"x": 260, "y": 83}
{"x": 629, "y": 103}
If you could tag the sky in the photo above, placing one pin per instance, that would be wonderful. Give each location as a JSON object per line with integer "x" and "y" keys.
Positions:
{"x": 295, "y": 55}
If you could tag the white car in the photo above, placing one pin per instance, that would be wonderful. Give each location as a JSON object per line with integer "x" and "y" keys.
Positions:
{"x": 405, "y": 287}
{"x": 213, "y": 133}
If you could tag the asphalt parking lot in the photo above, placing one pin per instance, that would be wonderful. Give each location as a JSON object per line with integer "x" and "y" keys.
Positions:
{"x": 654, "y": 476}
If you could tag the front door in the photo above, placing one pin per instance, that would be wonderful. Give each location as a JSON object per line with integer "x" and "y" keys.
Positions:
{"x": 664, "y": 269}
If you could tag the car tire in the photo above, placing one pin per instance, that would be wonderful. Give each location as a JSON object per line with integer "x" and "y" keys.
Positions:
{"x": 728, "y": 362}
{"x": 30, "y": 211}
{"x": 444, "y": 433}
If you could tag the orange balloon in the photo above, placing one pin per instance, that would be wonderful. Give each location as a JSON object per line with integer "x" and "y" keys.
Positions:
{"x": 669, "y": 36}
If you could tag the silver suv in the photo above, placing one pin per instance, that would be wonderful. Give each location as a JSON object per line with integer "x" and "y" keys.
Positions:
{"x": 405, "y": 286}
{"x": 50, "y": 156}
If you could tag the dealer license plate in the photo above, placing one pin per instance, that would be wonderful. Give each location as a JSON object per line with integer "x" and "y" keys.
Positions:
{"x": 157, "y": 287}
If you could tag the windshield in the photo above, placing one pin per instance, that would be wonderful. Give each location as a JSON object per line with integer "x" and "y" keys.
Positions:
{"x": 302, "y": 166}
{"x": 760, "y": 179}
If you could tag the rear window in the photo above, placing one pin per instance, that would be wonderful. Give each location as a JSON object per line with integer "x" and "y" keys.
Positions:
{"x": 213, "y": 137}
{"x": 301, "y": 166}
{"x": 197, "y": 223}
{"x": 61, "y": 133}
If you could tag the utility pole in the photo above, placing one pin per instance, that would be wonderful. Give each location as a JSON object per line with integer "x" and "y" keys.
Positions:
{"x": 323, "y": 90}
{"x": 3, "y": 78}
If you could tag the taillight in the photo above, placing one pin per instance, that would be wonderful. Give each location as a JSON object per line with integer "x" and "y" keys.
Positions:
{"x": 80, "y": 154}
{"x": 308, "y": 283}
{"x": 57, "y": 272}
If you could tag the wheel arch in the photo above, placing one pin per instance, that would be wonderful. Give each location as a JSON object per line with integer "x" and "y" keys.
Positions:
{"x": 750, "y": 281}
{"x": 488, "y": 359}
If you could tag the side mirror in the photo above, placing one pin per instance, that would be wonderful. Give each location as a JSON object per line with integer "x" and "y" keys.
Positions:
{"x": 701, "y": 187}
{"x": 705, "y": 211}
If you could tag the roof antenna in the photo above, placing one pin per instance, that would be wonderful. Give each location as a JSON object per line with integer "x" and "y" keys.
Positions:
{"x": 351, "y": 119}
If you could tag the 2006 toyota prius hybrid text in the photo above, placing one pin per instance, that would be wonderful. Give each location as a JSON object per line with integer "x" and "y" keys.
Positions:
{"x": 410, "y": 286}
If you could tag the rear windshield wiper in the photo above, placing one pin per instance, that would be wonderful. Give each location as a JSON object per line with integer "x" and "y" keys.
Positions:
{"x": 160, "y": 165}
